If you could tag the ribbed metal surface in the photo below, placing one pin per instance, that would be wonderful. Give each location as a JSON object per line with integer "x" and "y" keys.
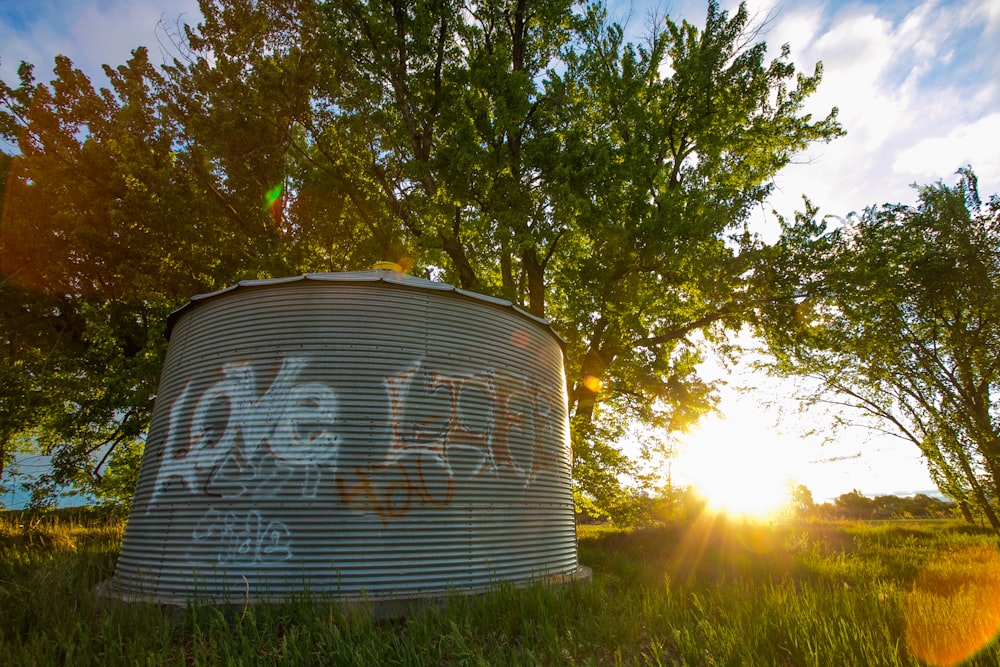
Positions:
{"x": 357, "y": 434}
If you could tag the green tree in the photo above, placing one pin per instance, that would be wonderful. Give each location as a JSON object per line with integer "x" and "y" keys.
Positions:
{"x": 531, "y": 153}
{"x": 902, "y": 323}
{"x": 678, "y": 141}
{"x": 520, "y": 148}
{"x": 854, "y": 505}
{"x": 105, "y": 231}
{"x": 801, "y": 501}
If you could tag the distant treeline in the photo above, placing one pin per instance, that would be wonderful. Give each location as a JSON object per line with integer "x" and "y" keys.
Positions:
{"x": 855, "y": 505}
{"x": 684, "y": 504}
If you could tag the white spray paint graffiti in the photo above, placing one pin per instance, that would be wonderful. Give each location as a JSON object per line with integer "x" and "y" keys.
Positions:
{"x": 239, "y": 439}
{"x": 243, "y": 538}
{"x": 479, "y": 417}
{"x": 242, "y": 439}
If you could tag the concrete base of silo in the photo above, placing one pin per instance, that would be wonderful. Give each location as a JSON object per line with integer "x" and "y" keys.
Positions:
{"x": 109, "y": 594}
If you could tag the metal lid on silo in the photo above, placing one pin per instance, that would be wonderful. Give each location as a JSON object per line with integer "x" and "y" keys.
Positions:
{"x": 383, "y": 273}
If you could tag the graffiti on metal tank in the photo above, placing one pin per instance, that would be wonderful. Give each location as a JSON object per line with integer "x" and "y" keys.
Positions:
{"x": 239, "y": 437}
{"x": 243, "y": 538}
{"x": 450, "y": 428}
{"x": 258, "y": 432}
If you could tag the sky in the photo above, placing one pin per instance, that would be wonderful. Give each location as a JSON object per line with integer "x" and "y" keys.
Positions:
{"x": 917, "y": 85}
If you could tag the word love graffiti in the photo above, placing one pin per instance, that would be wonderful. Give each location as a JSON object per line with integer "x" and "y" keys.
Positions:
{"x": 238, "y": 439}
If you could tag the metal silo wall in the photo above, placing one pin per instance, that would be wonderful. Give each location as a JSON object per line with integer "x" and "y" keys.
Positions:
{"x": 352, "y": 439}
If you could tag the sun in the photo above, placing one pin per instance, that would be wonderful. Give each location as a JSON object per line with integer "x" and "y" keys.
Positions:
{"x": 738, "y": 471}
{"x": 749, "y": 493}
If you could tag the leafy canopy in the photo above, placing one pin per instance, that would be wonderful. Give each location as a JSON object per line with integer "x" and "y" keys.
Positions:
{"x": 901, "y": 322}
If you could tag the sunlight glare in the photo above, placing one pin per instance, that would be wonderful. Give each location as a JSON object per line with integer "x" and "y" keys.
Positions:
{"x": 953, "y": 609}
{"x": 739, "y": 473}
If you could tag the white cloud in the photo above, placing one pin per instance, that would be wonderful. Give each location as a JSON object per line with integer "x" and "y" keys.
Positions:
{"x": 915, "y": 34}
{"x": 89, "y": 33}
{"x": 30, "y": 45}
{"x": 796, "y": 28}
{"x": 987, "y": 13}
{"x": 911, "y": 108}
{"x": 972, "y": 143}
{"x": 109, "y": 32}
{"x": 856, "y": 54}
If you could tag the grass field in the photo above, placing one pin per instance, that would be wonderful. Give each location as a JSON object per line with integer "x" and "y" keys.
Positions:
{"x": 710, "y": 593}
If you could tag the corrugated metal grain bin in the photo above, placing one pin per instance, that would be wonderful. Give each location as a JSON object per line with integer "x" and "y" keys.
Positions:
{"x": 363, "y": 435}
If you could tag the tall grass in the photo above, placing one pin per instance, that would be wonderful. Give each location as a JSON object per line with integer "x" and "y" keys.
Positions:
{"x": 714, "y": 592}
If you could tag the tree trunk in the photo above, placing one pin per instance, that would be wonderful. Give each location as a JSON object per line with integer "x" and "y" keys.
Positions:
{"x": 982, "y": 500}
{"x": 588, "y": 387}
{"x": 963, "y": 505}
{"x": 507, "y": 272}
{"x": 535, "y": 272}
{"x": 452, "y": 244}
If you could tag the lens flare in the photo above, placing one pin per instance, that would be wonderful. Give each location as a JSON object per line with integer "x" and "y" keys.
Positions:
{"x": 593, "y": 384}
{"x": 953, "y": 610}
{"x": 272, "y": 196}
{"x": 275, "y": 200}
{"x": 520, "y": 339}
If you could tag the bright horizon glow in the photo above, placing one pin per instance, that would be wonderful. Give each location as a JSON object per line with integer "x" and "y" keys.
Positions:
{"x": 746, "y": 458}
{"x": 739, "y": 472}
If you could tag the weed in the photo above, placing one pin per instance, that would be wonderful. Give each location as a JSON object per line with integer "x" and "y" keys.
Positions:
{"x": 712, "y": 592}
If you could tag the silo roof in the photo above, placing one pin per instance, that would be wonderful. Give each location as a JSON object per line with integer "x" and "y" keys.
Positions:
{"x": 370, "y": 276}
